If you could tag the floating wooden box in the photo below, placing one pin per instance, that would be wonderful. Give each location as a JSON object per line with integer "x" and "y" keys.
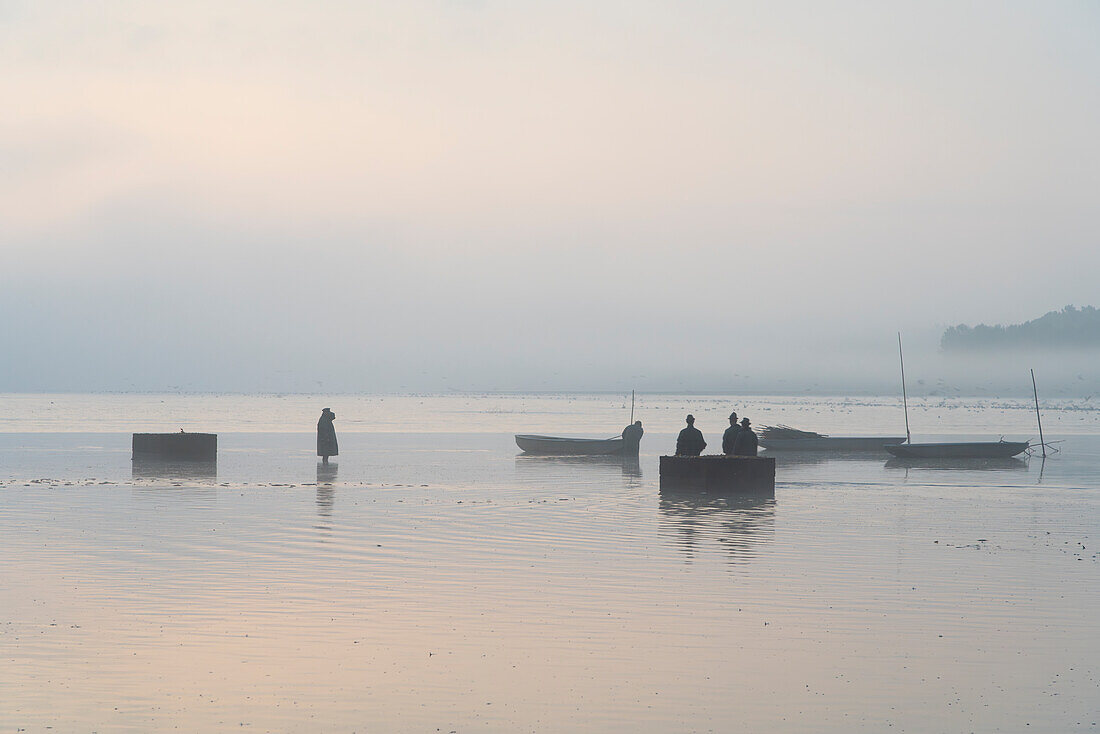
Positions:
{"x": 719, "y": 474}
{"x": 185, "y": 446}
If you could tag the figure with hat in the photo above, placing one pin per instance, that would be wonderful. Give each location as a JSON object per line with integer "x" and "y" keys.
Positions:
{"x": 729, "y": 438}
{"x": 747, "y": 442}
{"x": 326, "y": 436}
{"x": 690, "y": 441}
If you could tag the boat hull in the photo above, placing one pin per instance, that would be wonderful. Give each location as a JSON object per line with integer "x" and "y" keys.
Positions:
{"x": 558, "y": 446}
{"x": 831, "y": 443}
{"x": 963, "y": 450}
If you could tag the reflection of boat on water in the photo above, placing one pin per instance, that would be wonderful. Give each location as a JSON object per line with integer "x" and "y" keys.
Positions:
{"x": 959, "y": 450}
{"x": 630, "y": 466}
{"x": 959, "y": 464}
{"x": 735, "y": 524}
{"x": 177, "y": 469}
{"x": 559, "y": 446}
{"x": 797, "y": 458}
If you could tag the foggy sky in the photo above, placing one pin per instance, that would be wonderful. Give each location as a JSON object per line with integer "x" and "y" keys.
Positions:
{"x": 342, "y": 196}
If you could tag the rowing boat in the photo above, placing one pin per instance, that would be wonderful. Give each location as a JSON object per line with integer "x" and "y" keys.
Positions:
{"x": 956, "y": 449}
{"x": 559, "y": 446}
{"x": 785, "y": 438}
{"x": 830, "y": 443}
{"x": 959, "y": 450}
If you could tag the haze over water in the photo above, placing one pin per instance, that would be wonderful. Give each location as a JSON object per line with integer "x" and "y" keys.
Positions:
{"x": 226, "y": 216}
{"x": 433, "y": 579}
{"x": 420, "y": 196}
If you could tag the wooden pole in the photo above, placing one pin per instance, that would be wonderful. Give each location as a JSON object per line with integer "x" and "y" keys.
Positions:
{"x": 904, "y": 397}
{"x": 1035, "y": 391}
{"x": 631, "y": 407}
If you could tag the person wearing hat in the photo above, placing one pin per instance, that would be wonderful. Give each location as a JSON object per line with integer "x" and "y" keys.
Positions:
{"x": 326, "y": 436}
{"x": 729, "y": 438}
{"x": 690, "y": 441}
{"x": 747, "y": 442}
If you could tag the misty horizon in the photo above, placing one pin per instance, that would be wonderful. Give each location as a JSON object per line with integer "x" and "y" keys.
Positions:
{"x": 554, "y": 197}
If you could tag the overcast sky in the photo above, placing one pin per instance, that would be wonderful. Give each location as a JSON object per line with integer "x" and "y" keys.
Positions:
{"x": 533, "y": 195}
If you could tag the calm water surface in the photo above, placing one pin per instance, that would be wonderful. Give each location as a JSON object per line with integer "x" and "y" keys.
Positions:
{"x": 431, "y": 579}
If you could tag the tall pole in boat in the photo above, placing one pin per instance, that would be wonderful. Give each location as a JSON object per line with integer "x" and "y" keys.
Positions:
{"x": 631, "y": 407}
{"x": 1035, "y": 391}
{"x": 904, "y": 397}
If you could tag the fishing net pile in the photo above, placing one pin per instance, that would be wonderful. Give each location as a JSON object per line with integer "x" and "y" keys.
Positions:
{"x": 786, "y": 432}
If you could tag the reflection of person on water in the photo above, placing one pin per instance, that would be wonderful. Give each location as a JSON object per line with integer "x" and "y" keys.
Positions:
{"x": 326, "y": 436}
{"x": 746, "y": 440}
{"x": 690, "y": 441}
{"x": 729, "y": 438}
{"x": 326, "y": 472}
{"x": 632, "y": 437}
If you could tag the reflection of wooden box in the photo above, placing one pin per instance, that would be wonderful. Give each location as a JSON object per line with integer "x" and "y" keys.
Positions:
{"x": 187, "y": 446}
{"x": 719, "y": 474}
{"x": 150, "y": 467}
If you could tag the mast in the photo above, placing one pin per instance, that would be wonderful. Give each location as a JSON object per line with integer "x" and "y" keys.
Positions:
{"x": 904, "y": 397}
{"x": 1038, "y": 418}
{"x": 631, "y": 407}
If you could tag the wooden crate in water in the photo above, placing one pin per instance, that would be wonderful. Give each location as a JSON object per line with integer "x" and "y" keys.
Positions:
{"x": 185, "y": 446}
{"x": 719, "y": 474}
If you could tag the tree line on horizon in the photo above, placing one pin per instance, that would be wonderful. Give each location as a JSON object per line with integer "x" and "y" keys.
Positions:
{"x": 1070, "y": 328}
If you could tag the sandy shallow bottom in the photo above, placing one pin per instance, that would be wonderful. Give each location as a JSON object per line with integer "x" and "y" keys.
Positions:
{"x": 439, "y": 582}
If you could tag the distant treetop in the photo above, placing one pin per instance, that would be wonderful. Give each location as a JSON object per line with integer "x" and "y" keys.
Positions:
{"x": 1070, "y": 328}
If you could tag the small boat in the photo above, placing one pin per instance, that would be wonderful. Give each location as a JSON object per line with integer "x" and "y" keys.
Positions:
{"x": 785, "y": 438}
{"x": 959, "y": 450}
{"x": 830, "y": 443}
{"x": 558, "y": 446}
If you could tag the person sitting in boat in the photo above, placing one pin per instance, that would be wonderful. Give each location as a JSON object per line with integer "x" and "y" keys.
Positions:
{"x": 632, "y": 436}
{"x": 747, "y": 442}
{"x": 729, "y": 438}
{"x": 690, "y": 441}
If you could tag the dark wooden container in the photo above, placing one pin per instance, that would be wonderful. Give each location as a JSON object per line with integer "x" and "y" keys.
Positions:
{"x": 719, "y": 474}
{"x": 176, "y": 446}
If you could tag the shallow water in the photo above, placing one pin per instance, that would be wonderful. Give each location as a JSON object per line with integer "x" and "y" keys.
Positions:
{"x": 432, "y": 579}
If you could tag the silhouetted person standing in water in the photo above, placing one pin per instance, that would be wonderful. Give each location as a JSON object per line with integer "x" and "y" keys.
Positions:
{"x": 632, "y": 437}
{"x": 729, "y": 438}
{"x": 326, "y": 436}
{"x": 746, "y": 440}
{"x": 690, "y": 441}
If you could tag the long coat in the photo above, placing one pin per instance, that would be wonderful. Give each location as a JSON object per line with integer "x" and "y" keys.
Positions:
{"x": 746, "y": 443}
{"x": 632, "y": 437}
{"x": 729, "y": 439}
{"x": 690, "y": 442}
{"x": 326, "y": 435}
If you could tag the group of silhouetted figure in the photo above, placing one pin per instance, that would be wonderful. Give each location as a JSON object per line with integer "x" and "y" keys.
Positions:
{"x": 738, "y": 440}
